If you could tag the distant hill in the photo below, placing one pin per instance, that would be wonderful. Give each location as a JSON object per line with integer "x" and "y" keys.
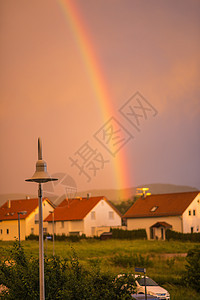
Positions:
{"x": 113, "y": 195}
{"x": 17, "y": 196}
{"x": 125, "y": 194}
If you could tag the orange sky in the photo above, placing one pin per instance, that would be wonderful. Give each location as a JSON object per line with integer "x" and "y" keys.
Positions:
{"x": 147, "y": 46}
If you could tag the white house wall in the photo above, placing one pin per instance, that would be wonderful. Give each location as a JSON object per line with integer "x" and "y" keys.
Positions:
{"x": 146, "y": 223}
{"x": 9, "y": 230}
{"x": 66, "y": 227}
{"x": 101, "y": 215}
{"x": 191, "y": 216}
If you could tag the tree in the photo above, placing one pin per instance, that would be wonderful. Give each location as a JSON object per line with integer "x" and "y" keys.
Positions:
{"x": 192, "y": 275}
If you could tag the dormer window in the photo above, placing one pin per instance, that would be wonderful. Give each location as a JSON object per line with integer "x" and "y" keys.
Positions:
{"x": 154, "y": 208}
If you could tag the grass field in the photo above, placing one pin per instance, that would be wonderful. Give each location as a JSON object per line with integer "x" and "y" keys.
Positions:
{"x": 165, "y": 261}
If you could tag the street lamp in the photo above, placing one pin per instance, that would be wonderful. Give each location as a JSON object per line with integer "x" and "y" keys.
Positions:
{"x": 52, "y": 212}
{"x": 41, "y": 176}
{"x": 20, "y": 213}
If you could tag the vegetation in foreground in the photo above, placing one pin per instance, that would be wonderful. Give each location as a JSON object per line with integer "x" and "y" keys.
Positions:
{"x": 165, "y": 262}
{"x": 63, "y": 279}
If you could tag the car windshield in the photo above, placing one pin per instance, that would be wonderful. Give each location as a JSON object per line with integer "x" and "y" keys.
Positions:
{"x": 149, "y": 282}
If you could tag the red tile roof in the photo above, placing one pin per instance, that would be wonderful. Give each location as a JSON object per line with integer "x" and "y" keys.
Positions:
{"x": 161, "y": 205}
{"x": 28, "y": 205}
{"x": 76, "y": 209}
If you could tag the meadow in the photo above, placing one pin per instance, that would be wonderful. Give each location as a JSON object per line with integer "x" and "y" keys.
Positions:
{"x": 164, "y": 260}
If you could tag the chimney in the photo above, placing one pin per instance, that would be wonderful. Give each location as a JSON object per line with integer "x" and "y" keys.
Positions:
{"x": 88, "y": 196}
{"x": 9, "y": 204}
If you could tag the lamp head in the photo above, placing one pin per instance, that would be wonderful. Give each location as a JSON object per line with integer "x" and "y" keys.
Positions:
{"x": 41, "y": 175}
{"x": 23, "y": 212}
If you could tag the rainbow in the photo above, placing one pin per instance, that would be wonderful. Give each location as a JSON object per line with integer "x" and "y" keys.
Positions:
{"x": 93, "y": 69}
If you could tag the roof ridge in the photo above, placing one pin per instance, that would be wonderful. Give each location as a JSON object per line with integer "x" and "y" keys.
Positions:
{"x": 167, "y": 204}
{"x": 190, "y": 192}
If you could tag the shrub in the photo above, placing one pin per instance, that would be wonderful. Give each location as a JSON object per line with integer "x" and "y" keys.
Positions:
{"x": 131, "y": 260}
{"x": 170, "y": 262}
{"x": 63, "y": 279}
{"x": 58, "y": 237}
{"x": 128, "y": 234}
{"x": 174, "y": 235}
{"x": 32, "y": 237}
{"x": 192, "y": 274}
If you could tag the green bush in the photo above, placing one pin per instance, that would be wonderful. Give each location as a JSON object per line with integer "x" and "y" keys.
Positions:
{"x": 128, "y": 234}
{"x": 131, "y": 260}
{"x": 32, "y": 237}
{"x": 58, "y": 237}
{"x": 167, "y": 278}
{"x": 63, "y": 279}
{"x": 174, "y": 235}
{"x": 192, "y": 274}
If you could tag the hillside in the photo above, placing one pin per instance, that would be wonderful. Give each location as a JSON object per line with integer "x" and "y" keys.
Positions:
{"x": 17, "y": 196}
{"x": 155, "y": 188}
{"x": 113, "y": 195}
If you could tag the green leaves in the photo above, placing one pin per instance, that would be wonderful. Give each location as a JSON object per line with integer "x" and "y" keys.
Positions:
{"x": 192, "y": 275}
{"x": 124, "y": 260}
{"x": 64, "y": 279}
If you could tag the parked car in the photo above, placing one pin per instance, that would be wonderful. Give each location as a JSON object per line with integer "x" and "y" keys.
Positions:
{"x": 142, "y": 297}
{"x": 152, "y": 288}
{"x": 106, "y": 236}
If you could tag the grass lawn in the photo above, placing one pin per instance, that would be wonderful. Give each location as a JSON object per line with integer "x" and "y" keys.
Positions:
{"x": 165, "y": 260}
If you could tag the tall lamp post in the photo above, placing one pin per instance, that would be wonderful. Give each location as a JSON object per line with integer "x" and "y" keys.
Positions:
{"x": 20, "y": 213}
{"x": 41, "y": 176}
{"x": 52, "y": 212}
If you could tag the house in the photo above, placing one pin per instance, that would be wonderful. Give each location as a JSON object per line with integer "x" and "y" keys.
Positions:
{"x": 29, "y": 220}
{"x": 156, "y": 213}
{"x": 90, "y": 216}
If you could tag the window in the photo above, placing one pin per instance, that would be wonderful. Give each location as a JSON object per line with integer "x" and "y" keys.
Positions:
{"x": 32, "y": 230}
{"x": 111, "y": 215}
{"x": 197, "y": 228}
{"x": 93, "y": 230}
{"x": 192, "y": 229}
{"x": 149, "y": 282}
{"x": 189, "y": 212}
{"x": 154, "y": 208}
{"x": 7, "y": 231}
{"x": 194, "y": 212}
{"x": 45, "y": 230}
{"x": 62, "y": 224}
{"x": 36, "y": 218}
{"x": 1, "y": 231}
{"x": 93, "y": 215}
